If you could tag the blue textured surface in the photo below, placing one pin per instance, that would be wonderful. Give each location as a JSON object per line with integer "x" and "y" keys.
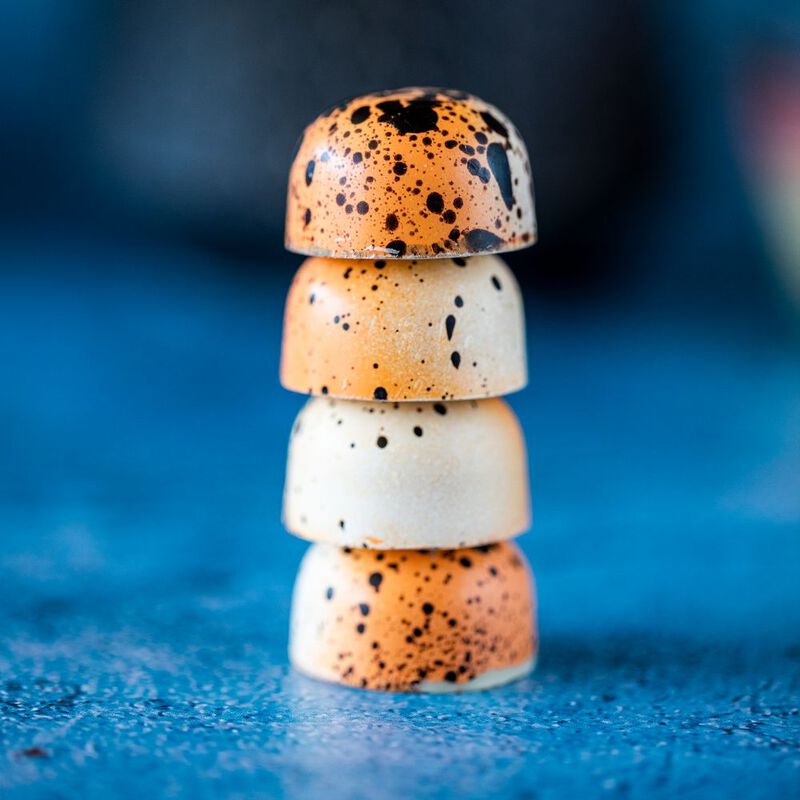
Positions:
{"x": 144, "y": 577}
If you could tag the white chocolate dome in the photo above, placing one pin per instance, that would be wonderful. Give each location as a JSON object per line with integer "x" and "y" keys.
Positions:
{"x": 406, "y": 475}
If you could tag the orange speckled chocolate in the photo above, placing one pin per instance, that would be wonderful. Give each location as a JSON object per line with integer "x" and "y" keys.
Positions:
{"x": 446, "y": 329}
{"x": 410, "y": 173}
{"x": 414, "y": 620}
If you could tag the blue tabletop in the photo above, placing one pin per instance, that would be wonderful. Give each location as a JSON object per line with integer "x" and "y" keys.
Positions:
{"x": 145, "y": 579}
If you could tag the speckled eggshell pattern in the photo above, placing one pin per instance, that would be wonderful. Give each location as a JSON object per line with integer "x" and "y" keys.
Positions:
{"x": 410, "y": 173}
{"x": 409, "y": 620}
{"x": 406, "y": 475}
{"x": 404, "y": 330}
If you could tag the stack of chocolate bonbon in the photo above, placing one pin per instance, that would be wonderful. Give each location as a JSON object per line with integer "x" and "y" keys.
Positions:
{"x": 406, "y": 469}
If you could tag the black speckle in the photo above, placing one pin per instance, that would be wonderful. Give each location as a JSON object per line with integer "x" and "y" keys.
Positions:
{"x": 361, "y": 627}
{"x": 479, "y": 240}
{"x": 391, "y": 222}
{"x": 310, "y": 172}
{"x": 495, "y": 124}
{"x": 397, "y": 247}
{"x": 360, "y": 115}
{"x": 324, "y": 390}
{"x": 382, "y": 442}
{"x": 311, "y": 298}
{"x": 329, "y": 593}
{"x": 439, "y": 408}
{"x": 419, "y": 116}
{"x": 307, "y": 216}
{"x": 460, "y": 262}
{"x": 364, "y": 609}
{"x": 496, "y": 283}
{"x": 498, "y": 163}
{"x": 468, "y": 149}
{"x": 380, "y": 393}
{"x": 458, "y": 301}
{"x": 340, "y": 199}
{"x": 427, "y": 608}
{"x": 341, "y": 524}
{"x": 455, "y": 357}
{"x": 450, "y": 324}
{"x": 357, "y": 158}
{"x": 380, "y": 264}
{"x": 451, "y": 677}
{"x": 362, "y": 207}
{"x": 474, "y": 168}
{"x": 449, "y": 216}
{"x": 450, "y": 144}
{"x": 417, "y": 430}
{"x": 465, "y": 561}
{"x": 400, "y": 168}
{"x": 435, "y": 203}
{"x": 375, "y": 580}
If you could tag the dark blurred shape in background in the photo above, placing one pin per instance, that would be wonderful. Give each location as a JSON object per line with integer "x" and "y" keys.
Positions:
{"x": 177, "y": 121}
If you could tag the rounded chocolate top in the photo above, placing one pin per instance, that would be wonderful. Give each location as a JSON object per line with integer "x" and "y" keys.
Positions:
{"x": 410, "y": 173}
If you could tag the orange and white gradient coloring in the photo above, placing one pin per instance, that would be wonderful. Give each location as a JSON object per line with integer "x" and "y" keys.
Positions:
{"x": 444, "y": 329}
{"x": 415, "y": 620}
{"x": 410, "y": 173}
{"x": 407, "y": 470}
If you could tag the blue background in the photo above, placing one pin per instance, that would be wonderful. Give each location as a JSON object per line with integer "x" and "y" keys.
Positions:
{"x": 144, "y": 576}
{"x": 146, "y": 579}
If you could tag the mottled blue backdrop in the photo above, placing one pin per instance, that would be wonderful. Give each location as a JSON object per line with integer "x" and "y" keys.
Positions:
{"x": 145, "y": 578}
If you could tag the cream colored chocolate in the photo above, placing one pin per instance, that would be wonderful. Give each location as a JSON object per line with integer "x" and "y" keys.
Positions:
{"x": 404, "y": 330}
{"x": 424, "y": 621}
{"x": 410, "y": 173}
{"x": 406, "y": 475}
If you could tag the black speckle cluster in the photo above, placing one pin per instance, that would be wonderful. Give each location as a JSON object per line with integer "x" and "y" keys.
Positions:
{"x": 427, "y": 615}
{"x": 415, "y": 172}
